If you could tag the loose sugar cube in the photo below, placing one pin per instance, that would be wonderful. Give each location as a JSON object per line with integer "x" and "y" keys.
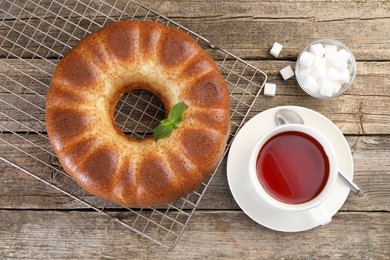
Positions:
{"x": 326, "y": 88}
{"x": 317, "y": 49}
{"x": 306, "y": 59}
{"x": 276, "y": 48}
{"x": 286, "y": 72}
{"x": 269, "y": 89}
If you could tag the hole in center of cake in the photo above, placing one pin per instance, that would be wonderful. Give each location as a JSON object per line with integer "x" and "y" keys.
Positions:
{"x": 138, "y": 112}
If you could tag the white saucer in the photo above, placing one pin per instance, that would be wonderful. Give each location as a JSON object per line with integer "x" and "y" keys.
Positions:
{"x": 245, "y": 195}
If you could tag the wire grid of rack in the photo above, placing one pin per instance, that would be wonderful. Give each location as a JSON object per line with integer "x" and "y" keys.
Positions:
{"x": 34, "y": 36}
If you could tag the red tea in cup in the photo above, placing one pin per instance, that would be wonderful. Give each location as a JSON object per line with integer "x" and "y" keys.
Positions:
{"x": 292, "y": 167}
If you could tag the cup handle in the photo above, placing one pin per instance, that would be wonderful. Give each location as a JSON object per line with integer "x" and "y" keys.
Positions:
{"x": 320, "y": 215}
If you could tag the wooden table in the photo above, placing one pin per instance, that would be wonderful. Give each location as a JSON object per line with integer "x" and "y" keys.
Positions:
{"x": 39, "y": 222}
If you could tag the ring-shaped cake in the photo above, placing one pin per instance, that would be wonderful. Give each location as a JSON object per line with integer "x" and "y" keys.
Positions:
{"x": 90, "y": 80}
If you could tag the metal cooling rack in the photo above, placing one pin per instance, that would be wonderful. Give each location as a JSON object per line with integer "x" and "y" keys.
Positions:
{"x": 34, "y": 36}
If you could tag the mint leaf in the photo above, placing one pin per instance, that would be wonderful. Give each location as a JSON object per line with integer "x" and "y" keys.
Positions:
{"x": 165, "y": 128}
{"x": 166, "y": 122}
{"x": 162, "y": 131}
{"x": 176, "y": 113}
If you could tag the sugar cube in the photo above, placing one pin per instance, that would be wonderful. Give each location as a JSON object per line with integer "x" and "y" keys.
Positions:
{"x": 276, "y": 48}
{"x": 319, "y": 61}
{"x": 310, "y": 83}
{"x": 332, "y": 74}
{"x": 320, "y": 80}
{"x": 337, "y": 63}
{"x": 317, "y": 49}
{"x": 269, "y": 89}
{"x": 330, "y": 48}
{"x": 326, "y": 88}
{"x": 329, "y": 57}
{"x": 318, "y": 71}
{"x": 304, "y": 72}
{"x": 306, "y": 59}
{"x": 344, "y": 76}
{"x": 286, "y": 72}
{"x": 336, "y": 87}
{"x": 343, "y": 55}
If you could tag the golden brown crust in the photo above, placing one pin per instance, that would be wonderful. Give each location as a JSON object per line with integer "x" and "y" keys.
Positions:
{"x": 178, "y": 48}
{"x": 122, "y": 42}
{"x": 85, "y": 88}
{"x": 64, "y": 125}
{"x": 207, "y": 92}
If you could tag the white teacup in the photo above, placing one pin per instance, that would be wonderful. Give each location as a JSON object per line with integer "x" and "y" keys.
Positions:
{"x": 313, "y": 205}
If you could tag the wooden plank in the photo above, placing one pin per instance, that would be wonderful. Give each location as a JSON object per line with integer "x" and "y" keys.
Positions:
{"x": 248, "y": 43}
{"x": 364, "y": 108}
{"x": 336, "y": 10}
{"x": 210, "y": 234}
{"x": 250, "y": 33}
{"x": 18, "y": 190}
